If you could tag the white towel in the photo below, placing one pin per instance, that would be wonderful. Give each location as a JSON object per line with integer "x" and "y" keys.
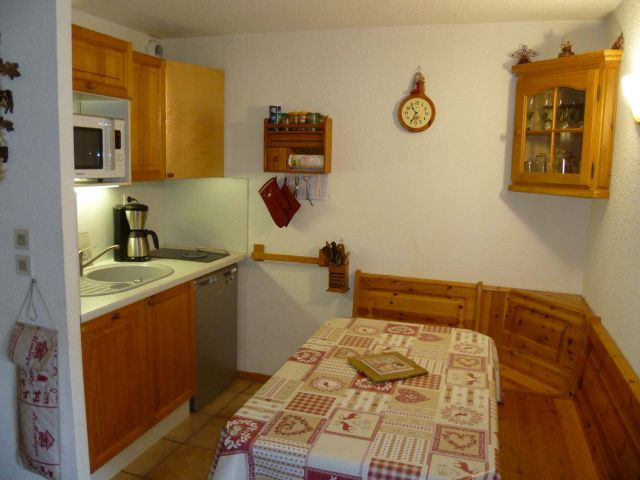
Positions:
{"x": 307, "y": 162}
{"x": 34, "y": 351}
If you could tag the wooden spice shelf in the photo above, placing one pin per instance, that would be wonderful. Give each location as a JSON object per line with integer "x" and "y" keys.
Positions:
{"x": 282, "y": 140}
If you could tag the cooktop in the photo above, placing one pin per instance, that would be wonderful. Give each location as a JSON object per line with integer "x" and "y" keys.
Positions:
{"x": 191, "y": 255}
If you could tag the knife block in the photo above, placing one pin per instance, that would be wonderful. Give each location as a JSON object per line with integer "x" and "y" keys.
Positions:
{"x": 339, "y": 278}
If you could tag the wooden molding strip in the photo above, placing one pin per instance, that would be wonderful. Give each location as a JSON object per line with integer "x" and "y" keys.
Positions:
{"x": 259, "y": 255}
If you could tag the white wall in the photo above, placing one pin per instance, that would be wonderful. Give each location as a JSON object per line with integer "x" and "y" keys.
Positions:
{"x": 612, "y": 274}
{"x": 432, "y": 204}
{"x": 39, "y": 185}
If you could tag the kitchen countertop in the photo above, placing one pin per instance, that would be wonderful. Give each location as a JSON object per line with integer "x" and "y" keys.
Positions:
{"x": 184, "y": 271}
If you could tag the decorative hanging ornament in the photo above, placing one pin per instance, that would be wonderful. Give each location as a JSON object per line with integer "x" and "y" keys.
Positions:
{"x": 524, "y": 54}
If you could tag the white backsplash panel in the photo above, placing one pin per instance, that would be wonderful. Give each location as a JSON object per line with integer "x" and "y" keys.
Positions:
{"x": 209, "y": 212}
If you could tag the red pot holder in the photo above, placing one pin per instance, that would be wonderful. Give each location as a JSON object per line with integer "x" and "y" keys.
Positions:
{"x": 276, "y": 203}
{"x": 280, "y": 202}
{"x": 294, "y": 204}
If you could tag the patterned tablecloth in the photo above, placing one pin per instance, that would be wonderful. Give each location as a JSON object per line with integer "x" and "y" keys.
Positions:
{"x": 317, "y": 418}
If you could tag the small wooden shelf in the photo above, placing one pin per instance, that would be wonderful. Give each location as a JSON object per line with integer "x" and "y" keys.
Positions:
{"x": 282, "y": 140}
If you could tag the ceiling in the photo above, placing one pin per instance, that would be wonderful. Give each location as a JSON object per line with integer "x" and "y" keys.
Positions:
{"x": 193, "y": 18}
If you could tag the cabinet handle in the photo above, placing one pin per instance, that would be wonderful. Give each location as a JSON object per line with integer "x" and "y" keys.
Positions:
{"x": 115, "y": 316}
{"x": 91, "y": 85}
{"x": 170, "y": 175}
{"x": 150, "y": 302}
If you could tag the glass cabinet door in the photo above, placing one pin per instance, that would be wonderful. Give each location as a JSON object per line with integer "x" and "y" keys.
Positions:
{"x": 553, "y": 133}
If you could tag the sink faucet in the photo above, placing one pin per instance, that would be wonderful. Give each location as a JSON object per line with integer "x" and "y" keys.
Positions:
{"x": 91, "y": 260}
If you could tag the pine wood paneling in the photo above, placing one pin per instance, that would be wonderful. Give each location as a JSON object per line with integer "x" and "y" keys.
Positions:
{"x": 415, "y": 300}
{"x": 609, "y": 403}
{"x": 541, "y": 437}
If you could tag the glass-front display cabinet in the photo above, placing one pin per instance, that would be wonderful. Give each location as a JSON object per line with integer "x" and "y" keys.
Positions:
{"x": 563, "y": 125}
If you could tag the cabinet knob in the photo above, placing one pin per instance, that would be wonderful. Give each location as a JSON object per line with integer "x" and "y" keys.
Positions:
{"x": 92, "y": 85}
{"x": 115, "y": 316}
{"x": 170, "y": 175}
{"x": 149, "y": 302}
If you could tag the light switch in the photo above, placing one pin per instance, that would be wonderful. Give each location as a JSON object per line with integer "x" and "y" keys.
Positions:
{"x": 21, "y": 238}
{"x": 23, "y": 264}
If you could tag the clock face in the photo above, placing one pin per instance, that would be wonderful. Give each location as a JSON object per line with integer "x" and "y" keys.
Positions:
{"x": 416, "y": 113}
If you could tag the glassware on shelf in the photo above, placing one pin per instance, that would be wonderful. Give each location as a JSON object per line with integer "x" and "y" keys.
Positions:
{"x": 540, "y": 163}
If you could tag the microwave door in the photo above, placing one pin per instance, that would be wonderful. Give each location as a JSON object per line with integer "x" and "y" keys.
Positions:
{"x": 89, "y": 148}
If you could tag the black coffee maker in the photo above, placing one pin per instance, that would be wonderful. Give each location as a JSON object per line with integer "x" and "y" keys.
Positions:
{"x": 129, "y": 232}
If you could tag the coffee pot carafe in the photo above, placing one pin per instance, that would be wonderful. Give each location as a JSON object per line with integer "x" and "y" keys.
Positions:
{"x": 128, "y": 230}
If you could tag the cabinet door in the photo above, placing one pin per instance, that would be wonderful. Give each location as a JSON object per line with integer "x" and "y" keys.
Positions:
{"x": 101, "y": 64}
{"x": 195, "y": 121}
{"x": 554, "y": 119}
{"x": 147, "y": 118}
{"x": 116, "y": 386}
{"x": 171, "y": 340}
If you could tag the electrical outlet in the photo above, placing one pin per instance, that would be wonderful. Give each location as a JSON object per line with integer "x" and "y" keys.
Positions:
{"x": 21, "y": 238}
{"x": 23, "y": 264}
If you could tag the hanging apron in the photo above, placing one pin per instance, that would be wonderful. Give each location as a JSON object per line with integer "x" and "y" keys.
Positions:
{"x": 33, "y": 349}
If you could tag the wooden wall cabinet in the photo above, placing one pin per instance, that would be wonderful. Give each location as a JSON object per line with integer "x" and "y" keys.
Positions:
{"x": 563, "y": 125}
{"x": 195, "y": 121}
{"x": 101, "y": 64}
{"x": 139, "y": 365}
{"x": 282, "y": 140}
{"x": 147, "y": 118}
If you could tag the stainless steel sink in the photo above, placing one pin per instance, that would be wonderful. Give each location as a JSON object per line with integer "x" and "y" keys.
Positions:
{"x": 119, "y": 277}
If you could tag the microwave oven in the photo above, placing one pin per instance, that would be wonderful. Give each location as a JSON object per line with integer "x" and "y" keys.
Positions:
{"x": 98, "y": 147}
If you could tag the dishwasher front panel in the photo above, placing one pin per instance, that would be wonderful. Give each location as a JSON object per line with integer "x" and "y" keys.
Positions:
{"x": 216, "y": 310}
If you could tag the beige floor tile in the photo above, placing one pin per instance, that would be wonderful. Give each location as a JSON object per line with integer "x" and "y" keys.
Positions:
{"x": 253, "y": 388}
{"x": 126, "y": 476}
{"x": 218, "y": 403}
{"x": 239, "y": 385}
{"x": 233, "y": 406}
{"x": 188, "y": 427}
{"x": 151, "y": 458}
{"x": 185, "y": 463}
{"x": 208, "y": 435}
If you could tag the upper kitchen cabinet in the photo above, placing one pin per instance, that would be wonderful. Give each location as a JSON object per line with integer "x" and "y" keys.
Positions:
{"x": 101, "y": 64}
{"x": 147, "y": 118}
{"x": 195, "y": 121}
{"x": 563, "y": 125}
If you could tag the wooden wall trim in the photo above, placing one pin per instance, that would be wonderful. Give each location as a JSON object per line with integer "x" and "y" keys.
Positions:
{"x": 609, "y": 403}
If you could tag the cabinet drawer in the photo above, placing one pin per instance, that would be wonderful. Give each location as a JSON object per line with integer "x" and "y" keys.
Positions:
{"x": 277, "y": 158}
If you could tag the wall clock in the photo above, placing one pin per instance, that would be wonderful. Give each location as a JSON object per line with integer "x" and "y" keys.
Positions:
{"x": 417, "y": 112}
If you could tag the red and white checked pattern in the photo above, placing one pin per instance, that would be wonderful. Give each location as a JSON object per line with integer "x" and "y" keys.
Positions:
{"x": 430, "y": 380}
{"x": 311, "y": 403}
{"x": 380, "y": 469}
{"x": 355, "y": 341}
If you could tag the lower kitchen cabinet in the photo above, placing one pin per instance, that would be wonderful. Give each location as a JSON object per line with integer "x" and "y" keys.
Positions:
{"x": 115, "y": 364}
{"x": 139, "y": 365}
{"x": 171, "y": 340}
